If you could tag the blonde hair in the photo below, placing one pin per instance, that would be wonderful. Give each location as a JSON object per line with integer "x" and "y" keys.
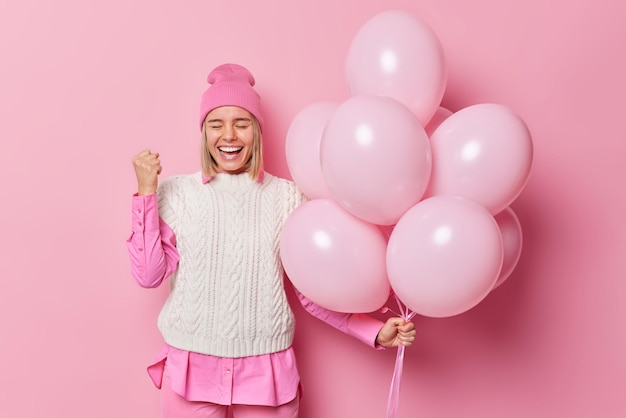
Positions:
{"x": 254, "y": 164}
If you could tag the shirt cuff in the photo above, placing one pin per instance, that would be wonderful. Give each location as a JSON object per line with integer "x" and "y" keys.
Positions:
{"x": 365, "y": 328}
{"x": 145, "y": 213}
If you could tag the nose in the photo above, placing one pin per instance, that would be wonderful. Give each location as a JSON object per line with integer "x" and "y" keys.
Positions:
{"x": 229, "y": 132}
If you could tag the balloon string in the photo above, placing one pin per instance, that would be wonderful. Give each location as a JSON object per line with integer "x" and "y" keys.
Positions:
{"x": 394, "y": 390}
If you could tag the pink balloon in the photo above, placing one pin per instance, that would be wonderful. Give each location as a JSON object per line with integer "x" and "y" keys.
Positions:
{"x": 375, "y": 157}
{"x": 483, "y": 152}
{"x": 335, "y": 259}
{"x": 440, "y": 115}
{"x": 396, "y": 55}
{"x": 444, "y": 256}
{"x": 386, "y": 230}
{"x": 511, "y": 231}
{"x": 302, "y": 148}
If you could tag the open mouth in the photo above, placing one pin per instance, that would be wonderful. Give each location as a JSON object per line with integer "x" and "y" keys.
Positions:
{"x": 229, "y": 152}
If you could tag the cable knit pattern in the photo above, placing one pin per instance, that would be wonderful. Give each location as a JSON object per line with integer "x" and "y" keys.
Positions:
{"x": 227, "y": 297}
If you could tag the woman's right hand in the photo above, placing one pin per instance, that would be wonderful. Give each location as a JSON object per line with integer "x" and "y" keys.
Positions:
{"x": 147, "y": 169}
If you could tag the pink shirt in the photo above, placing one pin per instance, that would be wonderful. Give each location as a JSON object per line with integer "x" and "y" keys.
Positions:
{"x": 270, "y": 379}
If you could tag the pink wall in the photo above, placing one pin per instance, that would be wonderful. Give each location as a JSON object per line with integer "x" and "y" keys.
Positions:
{"x": 85, "y": 85}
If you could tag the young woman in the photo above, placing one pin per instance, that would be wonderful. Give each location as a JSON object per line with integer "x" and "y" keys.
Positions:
{"x": 227, "y": 324}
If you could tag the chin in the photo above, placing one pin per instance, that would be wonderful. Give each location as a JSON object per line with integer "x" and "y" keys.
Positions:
{"x": 233, "y": 170}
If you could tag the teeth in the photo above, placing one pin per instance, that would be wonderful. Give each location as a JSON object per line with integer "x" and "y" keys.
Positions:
{"x": 230, "y": 149}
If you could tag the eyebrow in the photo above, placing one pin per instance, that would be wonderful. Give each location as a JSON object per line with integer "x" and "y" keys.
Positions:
{"x": 236, "y": 120}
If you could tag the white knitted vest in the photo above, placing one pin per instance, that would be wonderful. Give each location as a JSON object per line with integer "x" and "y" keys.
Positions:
{"x": 227, "y": 297}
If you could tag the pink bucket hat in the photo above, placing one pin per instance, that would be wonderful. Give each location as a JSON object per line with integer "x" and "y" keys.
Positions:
{"x": 231, "y": 85}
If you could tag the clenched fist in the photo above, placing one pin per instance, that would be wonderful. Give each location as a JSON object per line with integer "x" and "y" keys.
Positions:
{"x": 396, "y": 331}
{"x": 147, "y": 169}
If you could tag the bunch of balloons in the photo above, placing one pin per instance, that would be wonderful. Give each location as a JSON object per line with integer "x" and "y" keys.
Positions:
{"x": 405, "y": 195}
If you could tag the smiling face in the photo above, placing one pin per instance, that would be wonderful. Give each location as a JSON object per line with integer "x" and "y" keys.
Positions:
{"x": 230, "y": 138}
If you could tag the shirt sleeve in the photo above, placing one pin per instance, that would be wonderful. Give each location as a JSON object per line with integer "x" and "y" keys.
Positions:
{"x": 152, "y": 243}
{"x": 360, "y": 326}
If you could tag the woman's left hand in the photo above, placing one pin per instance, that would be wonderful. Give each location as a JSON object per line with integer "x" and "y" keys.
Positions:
{"x": 396, "y": 331}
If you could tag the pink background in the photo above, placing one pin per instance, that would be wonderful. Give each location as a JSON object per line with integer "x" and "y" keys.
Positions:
{"x": 86, "y": 85}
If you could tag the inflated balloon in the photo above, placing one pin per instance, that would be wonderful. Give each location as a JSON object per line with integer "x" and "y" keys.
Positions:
{"x": 302, "y": 148}
{"x": 444, "y": 256}
{"x": 396, "y": 55}
{"x": 386, "y": 230}
{"x": 512, "y": 238}
{"x": 440, "y": 115}
{"x": 335, "y": 259}
{"x": 375, "y": 158}
{"x": 483, "y": 152}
